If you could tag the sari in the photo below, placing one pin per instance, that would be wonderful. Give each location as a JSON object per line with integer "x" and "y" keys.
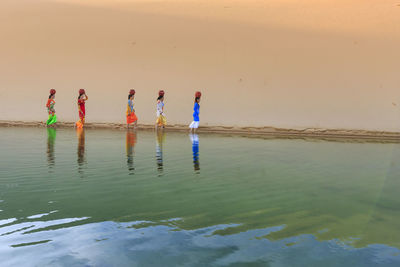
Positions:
{"x": 130, "y": 113}
{"x": 52, "y": 113}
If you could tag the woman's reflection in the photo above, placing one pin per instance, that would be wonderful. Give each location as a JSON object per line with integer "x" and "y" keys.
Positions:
{"x": 51, "y": 138}
{"x": 159, "y": 148}
{"x": 81, "y": 148}
{"x": 130, "y": 145}
{"x": 195, "y": 149}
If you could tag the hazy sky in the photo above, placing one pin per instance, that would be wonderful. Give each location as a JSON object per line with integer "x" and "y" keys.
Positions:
{"x": 282, "y": 63}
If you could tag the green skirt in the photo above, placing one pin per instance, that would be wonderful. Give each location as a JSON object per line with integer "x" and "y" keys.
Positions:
{"x": 52, "y": 119}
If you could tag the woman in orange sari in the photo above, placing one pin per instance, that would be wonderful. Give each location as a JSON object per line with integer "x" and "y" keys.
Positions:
{"x": 130, "y": 111}
{"x": 81, "y": 108}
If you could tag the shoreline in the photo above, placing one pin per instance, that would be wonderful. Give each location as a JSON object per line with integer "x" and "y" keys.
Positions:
{"x": 316, "y": 133}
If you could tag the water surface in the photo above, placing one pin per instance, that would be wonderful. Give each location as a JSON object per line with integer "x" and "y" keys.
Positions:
{"x": 125, "y": 198}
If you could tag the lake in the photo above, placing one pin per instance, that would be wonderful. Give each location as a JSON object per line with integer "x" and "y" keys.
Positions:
{"x": 124, "y": 198}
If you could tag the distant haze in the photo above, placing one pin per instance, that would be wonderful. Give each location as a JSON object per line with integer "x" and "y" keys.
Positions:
{"x": 282, "y": 63}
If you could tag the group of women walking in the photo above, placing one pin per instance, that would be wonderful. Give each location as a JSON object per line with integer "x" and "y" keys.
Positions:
{"x": 131, "y": 118}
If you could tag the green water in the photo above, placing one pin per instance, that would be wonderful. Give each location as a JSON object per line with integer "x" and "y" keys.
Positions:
{"x": 119, "y": 198}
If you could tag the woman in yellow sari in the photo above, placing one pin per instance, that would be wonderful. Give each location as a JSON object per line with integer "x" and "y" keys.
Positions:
{"x": 161, "y": 120}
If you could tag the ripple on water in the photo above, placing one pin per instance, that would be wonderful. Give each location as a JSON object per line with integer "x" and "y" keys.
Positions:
{"x": 122, "y": 198}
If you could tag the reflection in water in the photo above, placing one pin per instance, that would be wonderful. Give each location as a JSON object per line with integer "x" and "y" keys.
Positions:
{"x": 81, "y": 148}
{"x": 195, "y": 149}
{"x": 130, "y": 145}
{"x": 51, "y": 138}
{"x": 159, "y": 147}
{"x": 285, "y": 203}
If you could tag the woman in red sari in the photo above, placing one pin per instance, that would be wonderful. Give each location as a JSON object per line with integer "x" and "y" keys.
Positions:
{"x": 81, "y": 108}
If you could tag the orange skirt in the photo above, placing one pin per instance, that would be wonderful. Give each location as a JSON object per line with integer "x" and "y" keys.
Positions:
{"x": 131, "y": 118}
{"x": 79, "y": 124}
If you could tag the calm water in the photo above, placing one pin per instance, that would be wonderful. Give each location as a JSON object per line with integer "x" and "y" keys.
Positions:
{"x": 119, "y": 198}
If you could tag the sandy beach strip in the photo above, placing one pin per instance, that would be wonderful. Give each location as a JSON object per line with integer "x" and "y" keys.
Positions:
{"x": 271, "y": 132}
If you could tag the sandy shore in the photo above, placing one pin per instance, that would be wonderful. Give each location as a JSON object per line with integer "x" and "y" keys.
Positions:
{"x": 285, "y": 63}
{"x": 317, "y": 133}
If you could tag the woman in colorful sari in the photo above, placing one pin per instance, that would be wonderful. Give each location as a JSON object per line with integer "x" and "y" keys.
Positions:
{"x": 196, "y": 120}
{"x": 82, "y": 98}
{"x": 50, "y": 108}
{"x": 130, "y": 112}
{"x": 161, "y": 120}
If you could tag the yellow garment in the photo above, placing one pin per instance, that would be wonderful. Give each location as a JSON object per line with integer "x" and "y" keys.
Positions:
{"x": 128, "y": 109}
{"x": 161, "y": 121}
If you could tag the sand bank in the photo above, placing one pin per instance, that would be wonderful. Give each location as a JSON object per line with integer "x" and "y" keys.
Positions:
{"x": 317, "y": 133}
{"x": 285, "y": 63}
